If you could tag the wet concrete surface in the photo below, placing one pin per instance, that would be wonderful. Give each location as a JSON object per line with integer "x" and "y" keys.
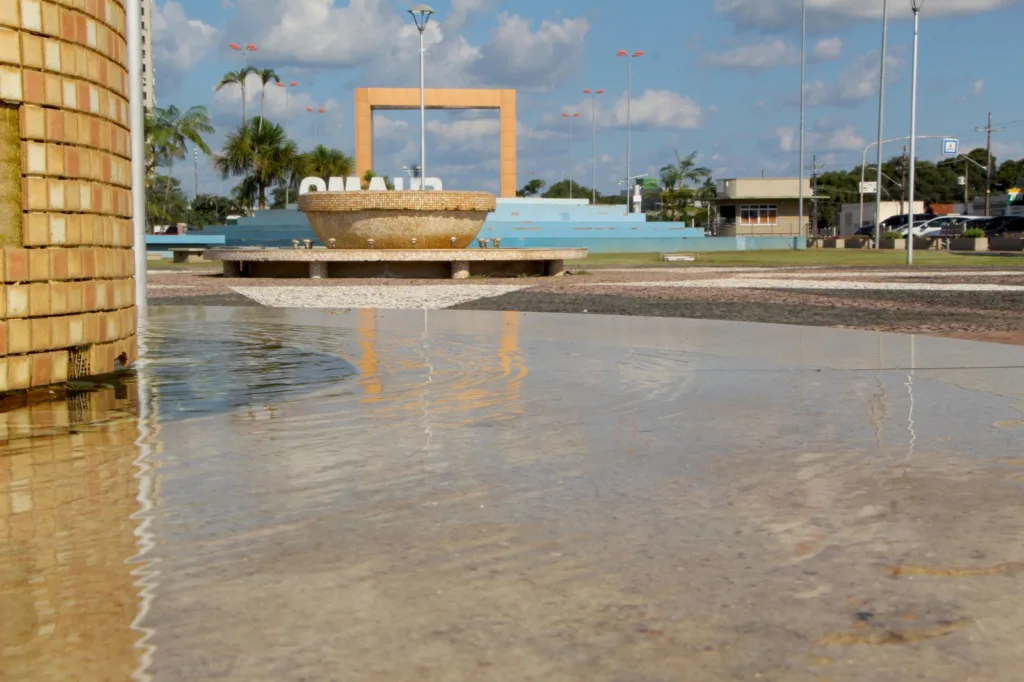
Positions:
{"x": 454, "y": 495}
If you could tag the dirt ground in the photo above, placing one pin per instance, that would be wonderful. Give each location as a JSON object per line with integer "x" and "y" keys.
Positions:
{"x": 996, "y": 316}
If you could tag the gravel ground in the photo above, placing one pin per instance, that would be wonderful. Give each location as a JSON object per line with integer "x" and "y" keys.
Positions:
{"x": 986, "y": 305}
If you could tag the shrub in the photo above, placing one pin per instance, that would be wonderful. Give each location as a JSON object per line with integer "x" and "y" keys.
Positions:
{"x": 892, "y": 235}
{"x": 973, "y": 233}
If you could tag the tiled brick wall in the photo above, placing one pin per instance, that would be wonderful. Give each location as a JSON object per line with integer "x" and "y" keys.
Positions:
{"x": 68, "y": 300}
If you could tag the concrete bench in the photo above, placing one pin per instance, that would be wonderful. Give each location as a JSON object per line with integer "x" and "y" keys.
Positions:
{"x": 189, "y": 255}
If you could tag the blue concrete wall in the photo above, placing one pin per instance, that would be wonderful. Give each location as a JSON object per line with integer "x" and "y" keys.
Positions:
{"x": 540, "y": 223}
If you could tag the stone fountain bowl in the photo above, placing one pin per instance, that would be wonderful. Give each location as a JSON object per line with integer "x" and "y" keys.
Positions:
{"x": 393, "y": 219}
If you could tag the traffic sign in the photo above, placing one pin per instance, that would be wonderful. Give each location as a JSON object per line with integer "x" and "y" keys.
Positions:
{"x": 950, "y": 146}
{"x": 868, "y": 187}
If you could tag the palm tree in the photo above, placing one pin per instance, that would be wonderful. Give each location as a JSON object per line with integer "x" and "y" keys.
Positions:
{"x": 265, "y": 76}
{"x": 327, "y": 163}
{"x": 237, "y": 78}
{"x": 687, "y": 170}
{"x": 259, "y": 152}
{"x": 172, "y": 131}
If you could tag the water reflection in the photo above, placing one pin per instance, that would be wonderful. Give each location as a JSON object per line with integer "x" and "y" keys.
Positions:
{"x": 68, "y": 490}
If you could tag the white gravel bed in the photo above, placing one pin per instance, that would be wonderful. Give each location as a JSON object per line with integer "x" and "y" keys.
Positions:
{"x": 394, "y": 297}
{"x": 755, "y": 283}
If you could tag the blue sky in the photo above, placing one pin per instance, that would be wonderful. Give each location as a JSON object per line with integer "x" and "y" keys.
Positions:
{"x": 720, "y": 77}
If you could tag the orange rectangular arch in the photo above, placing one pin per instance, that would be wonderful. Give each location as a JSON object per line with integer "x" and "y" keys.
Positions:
{"x": 368, "y": 99}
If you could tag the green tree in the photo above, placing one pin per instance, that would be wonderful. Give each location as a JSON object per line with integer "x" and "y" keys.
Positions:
{"x": 265, "y": 76}
{"x": 371, "y": 174}
{"x": 261, "y": 154}
{"x": 212, "y": 209}
{"x": 532, "y": 188}
{"x": 166, "y": 204}
{"x": 171, "y": 132}
{"x": 237, "y": 78}
{"x": 560, "y": 190}
{"x": 326, "y": 163}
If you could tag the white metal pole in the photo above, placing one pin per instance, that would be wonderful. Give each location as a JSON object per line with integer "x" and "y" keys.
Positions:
{"x": 137, "y": 121}
{"x": 423, "y": 115}
{"x": 913, "y": 143}
{"x": 803, "y": 73}
{"x": 570, "y": 157}
{"x": 593, "y": 122}
{"x": 881, "y": 123}
{"x": 629, "y": 102}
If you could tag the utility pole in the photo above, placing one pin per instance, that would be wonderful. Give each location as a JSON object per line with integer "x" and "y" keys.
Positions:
{"x": 967, "y": 184}
{"x": 195, "y": 154}
{"x": 903, "y": 182}
{"x": 988, "y": 130}
{"x": 814, "y": 202}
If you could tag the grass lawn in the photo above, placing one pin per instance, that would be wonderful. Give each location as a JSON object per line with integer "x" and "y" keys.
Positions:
{"x": 858, "y": 258}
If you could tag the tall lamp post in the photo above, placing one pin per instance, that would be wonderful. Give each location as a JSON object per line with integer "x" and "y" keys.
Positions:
{"x": 320, "y": 110}
{"x": 244, "y": 51}
{"x": 420, "y": 16}
{"x": 803, "y": 77}
{"x": 915, "y": 5}
{"x": 137, "y": 147}
{"x": 287, "y": 104}
{"x": 570, "y": 117}
{"x": 593, "y": 123}
{"x": 629, "y": 101}
{"x": 881, "y": 125}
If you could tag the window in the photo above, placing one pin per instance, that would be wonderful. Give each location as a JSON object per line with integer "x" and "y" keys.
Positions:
{"x": 764, "y": 214}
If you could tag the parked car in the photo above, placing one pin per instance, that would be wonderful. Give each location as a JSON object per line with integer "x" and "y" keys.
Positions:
{"x": 934, "y": 227}
{"x": 893, "y": 223}
{"x": 1004, "y": 226}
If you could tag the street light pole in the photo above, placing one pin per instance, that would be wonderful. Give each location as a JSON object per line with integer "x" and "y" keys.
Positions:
{"x": 803, "y": 76}
{"x": 593, "y": 122}
{"x": 420, "y": 16}
{"x": 915, "y": 5}
{"x": 629, "y": 102}
{"x": 570, "y": 117}
{"x": 881, "y": 124}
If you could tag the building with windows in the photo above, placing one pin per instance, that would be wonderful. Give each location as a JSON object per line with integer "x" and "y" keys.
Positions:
{"x": 761, "y": 206}
{"x": 148, "y": 86}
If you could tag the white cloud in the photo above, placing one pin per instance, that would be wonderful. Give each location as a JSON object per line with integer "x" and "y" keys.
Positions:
{"x": 179, "y": 43}
{"x": 979, "y": 87}
{"x": 768, "y": 53}
{"x": 652, "y": 109}
{"x": 517, "y": 56}
{"x": 826, "y": 136}
{"x": 786, "y": 13}
{"x": 765, "y": 54}
{"x": 859, "y": 81}
{"x": 374, "y": 35}
{"x": 827, "y": 49}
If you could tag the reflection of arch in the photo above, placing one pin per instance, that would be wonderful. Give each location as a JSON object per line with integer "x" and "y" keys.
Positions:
{"x": 369, "y": 366}
{"x": 369, "y": 99}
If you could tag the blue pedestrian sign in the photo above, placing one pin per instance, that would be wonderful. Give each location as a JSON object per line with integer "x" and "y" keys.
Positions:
{"x": 950, "y": 146}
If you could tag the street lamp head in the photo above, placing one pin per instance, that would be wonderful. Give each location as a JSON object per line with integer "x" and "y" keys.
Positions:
{"x": 587, "y": 91}
{"x": 280, "y": 85}
{"x": 641, "y": 54}
{"x": 294, "y": 84}
{"x": 916, "y": 5}
{"x": 251, "y": 47}
{"x": 320, "y": 110}
{"x": 600, "y": 92}
{"x": 575, "y": 115}
{"x": 565, "y": 115}
{"x": 234, "y": 46}
{"x": 309, "y": 109}
{"x": 622, "y": 53}
{"x": 421, "y": 15}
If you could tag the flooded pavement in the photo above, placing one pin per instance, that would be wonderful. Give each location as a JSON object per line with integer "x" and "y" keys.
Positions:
{"x": 455, "y": 495}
